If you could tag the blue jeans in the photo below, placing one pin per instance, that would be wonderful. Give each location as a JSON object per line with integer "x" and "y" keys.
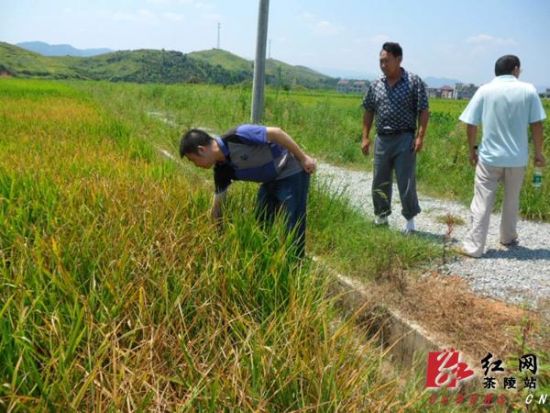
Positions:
{"x": 289, "y": 196}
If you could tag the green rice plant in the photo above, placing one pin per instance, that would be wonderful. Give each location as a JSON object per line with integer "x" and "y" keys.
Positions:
{"x": 325, "y": 123}
{"x": 356, "y": 246}
{"x": 118, "y": 293}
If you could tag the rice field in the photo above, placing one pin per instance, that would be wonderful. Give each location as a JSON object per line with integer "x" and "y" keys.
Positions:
{"x": 117, "y": 293}
{"x": 329, "y": 125}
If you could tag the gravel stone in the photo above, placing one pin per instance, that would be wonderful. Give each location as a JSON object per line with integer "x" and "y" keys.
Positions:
{"x": 518, "y": 275}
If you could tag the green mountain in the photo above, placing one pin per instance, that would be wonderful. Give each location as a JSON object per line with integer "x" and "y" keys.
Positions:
{"x": 142, "y": 66}
{"x": 46, "y": 49}
{"x": 158, "y": 66}
{"x": 277, "y": 72}
{"x": 224, "y": 59}
{"x": 19, "y": 62}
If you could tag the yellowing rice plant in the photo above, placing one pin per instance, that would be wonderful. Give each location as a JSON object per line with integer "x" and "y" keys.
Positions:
{"x": 116, "y": 293}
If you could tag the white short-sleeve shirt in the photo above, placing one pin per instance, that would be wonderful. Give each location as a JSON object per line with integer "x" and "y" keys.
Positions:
{"x": 505, "y": 107}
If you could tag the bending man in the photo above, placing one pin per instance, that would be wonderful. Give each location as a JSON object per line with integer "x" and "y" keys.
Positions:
{"x": 267, "y": 155}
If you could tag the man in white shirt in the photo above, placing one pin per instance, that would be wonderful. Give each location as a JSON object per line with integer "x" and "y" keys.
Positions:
{"x": 505, "y": 107}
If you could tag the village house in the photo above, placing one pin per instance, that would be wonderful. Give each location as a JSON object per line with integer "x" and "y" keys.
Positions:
{"x": 460, "y": 91}
{"x": 464, "y": 90}
{"x": 352, "y": 86}
{"x": 447, "y": 92}
{"x": 433, "y": 92}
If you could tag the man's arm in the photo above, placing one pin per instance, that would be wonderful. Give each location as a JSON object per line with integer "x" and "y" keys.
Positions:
{"x": 217, "y": 207}
{"x": 471, "y": 133}
{"x": 368, "y": 118}
{"x": 279, "y": 136}
{"x": 423, "y": 118}
{"x": 538, "y": 141}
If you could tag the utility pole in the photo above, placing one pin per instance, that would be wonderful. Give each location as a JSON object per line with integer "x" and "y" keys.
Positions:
{"x": 219, "y": 27}
{"x": 269, "y": 50}
{"x": 259, "y": 65}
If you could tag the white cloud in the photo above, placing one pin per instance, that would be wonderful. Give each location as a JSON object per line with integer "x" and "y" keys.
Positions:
{"x": 175, "y": 17}
{"x": 139, "y": 16}
{"x": 319, "y": 25}
{"x": 326, "y": 27}
{"x": 143, "y": 16}
{"x": 488, "y": 40}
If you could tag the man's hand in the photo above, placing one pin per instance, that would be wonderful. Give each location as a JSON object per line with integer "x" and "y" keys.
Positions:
{"x": 368, "y": 118}
{"x": 309, "y": 164}
{"x": 540, "y": 160}
{"x": 423, "y": 118}
{"x": 279, "y": 136}
{"x": 473, "y": 156}
{"x": 216, "y": 210}
{"x": 538, "y": 140}
{"x": 418, "y": 144}
{"x": 471, "y": 133}
{"x": 365, "y": 143}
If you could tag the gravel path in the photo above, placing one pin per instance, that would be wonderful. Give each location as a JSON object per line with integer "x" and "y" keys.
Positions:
{"x": 517, "y": 275}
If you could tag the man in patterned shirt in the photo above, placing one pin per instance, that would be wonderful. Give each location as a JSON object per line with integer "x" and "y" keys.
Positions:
{"x": 399, "y": 103}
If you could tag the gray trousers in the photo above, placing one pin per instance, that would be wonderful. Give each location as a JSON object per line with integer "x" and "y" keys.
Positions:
{"x": 395, "y": 152}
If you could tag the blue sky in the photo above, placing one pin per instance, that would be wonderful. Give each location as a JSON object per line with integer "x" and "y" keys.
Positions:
{"x": 441, "y": 38}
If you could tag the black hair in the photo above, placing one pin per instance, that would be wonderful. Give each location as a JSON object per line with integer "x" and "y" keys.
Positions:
{"x": 393, "y": 48}
{"x": 506, "y": 64}
{"x": 192, "y": 139}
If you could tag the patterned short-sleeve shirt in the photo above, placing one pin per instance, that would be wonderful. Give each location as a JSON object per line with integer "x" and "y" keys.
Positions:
{"x": 396, "y": 107}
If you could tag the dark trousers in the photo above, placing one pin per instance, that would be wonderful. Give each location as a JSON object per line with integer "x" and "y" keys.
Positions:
{"x": 288, "y": 196}
{"x": 395, "y": 152}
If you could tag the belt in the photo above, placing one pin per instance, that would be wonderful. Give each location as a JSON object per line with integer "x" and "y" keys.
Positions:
{"x": 397, "y": 132}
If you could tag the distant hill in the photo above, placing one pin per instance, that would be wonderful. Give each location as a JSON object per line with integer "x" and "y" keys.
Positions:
{"x": 153, "y": 66}
{"x": 46, "y": 49}
{"x": 16, "y": 61}
{"x": 281, "y": 73}
{"x": 156, "y": 66}
{"x": 277, "y": 72}
{"x": 223, "y": 58}
{"x": 141, "y": 66}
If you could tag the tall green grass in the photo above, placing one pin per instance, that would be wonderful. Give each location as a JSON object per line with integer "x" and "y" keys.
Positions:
{"x": 335, "y": 228}
{"x": 117, "y": 293}
{"x": 328, "y": 125}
